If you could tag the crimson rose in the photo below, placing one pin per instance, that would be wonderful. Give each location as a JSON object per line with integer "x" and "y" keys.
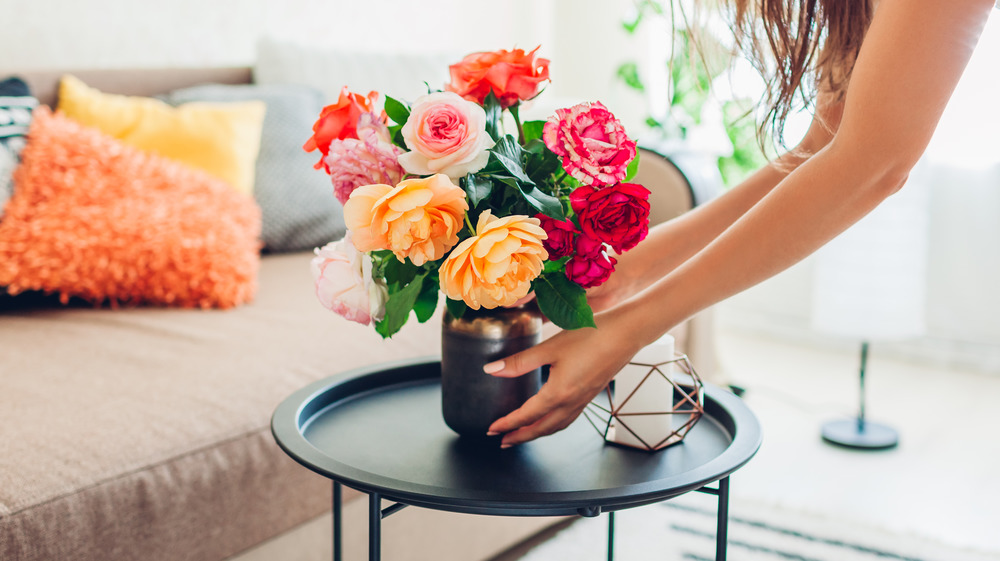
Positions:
{"x": 560, "y": 241}
{"x": 589, "y": 271}
{"x": 617, "y": 215}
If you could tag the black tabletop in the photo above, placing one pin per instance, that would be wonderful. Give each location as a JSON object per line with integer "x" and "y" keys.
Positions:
{"x": 380, "y": 429}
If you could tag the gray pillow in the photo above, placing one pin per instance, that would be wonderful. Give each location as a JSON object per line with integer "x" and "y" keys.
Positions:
{"x": 297, "y": 203}
{"x": 16, "y": 105}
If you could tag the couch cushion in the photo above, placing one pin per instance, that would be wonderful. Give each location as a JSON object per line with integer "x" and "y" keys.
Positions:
{"x": 143, "y": 433}
{"x": 16, "y": 105}
{"x": 297, "y": 202}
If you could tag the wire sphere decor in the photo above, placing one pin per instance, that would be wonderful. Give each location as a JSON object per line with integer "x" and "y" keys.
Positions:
{"x": 682, "y": 399}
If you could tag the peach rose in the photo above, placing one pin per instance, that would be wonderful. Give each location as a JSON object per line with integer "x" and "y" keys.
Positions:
{"x": 419, "y": 218}
{"x": 496, "y": 266}
{"x": 344, "y": 282}
{"x": 445, "y": 134}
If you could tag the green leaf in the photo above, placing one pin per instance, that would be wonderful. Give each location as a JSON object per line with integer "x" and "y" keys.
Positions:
{"x": 563, "y": 301}
{"x": 477, "y": 188}
{"x": 396, "y": 111}
{"x": 555, "y": 266}
{"x": 532, "y": 130}
{"x": 510, "y": 155}
{"x": 494, "y": 114}
{"x": 456, "y": 307}
{"x": 632, "y": 168}
{"x": 544, "y": 203}
{"x": 398, "y": 307}
{"x": 629, "y": 73}
{"x": 427, "y": 301}
{"x": 399, "y": 272}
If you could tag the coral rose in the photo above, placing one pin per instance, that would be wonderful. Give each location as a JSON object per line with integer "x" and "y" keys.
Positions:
{"x": 344, "y": 282}
{"x": 511, "y": 76}
{"x": 370, "y": 158}
{"x": 338, "y": 121}
{"x": 446, "y": 134}
{"x": 419, "y": 218}
{"x": 617, "y": 215}
{"x": 592, "y": 143}
{"x": 496, "y": 266}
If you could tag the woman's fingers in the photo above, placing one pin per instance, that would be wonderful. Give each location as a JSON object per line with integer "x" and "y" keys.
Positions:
{"x": 553, "y": 422}
{"x": 534, "y": 409}
{"x": 517, "y": 364}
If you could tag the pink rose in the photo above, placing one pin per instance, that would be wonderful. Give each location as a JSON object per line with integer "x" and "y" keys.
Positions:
{"x": 344, "y": 282}
{"x": 592, "y": 143}
{"x": 446, "y": 134}
{"x": 370, "y": 158}
{"x": 589, "y": 271}
{"x": 560, "y": 241}
{"x": 617, "y": 215}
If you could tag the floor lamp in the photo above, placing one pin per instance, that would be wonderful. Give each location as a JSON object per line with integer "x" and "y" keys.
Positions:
{"x": 869, "y": 286}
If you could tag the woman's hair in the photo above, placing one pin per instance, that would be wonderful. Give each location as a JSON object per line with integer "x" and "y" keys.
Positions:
{"x": 800, "y": 47}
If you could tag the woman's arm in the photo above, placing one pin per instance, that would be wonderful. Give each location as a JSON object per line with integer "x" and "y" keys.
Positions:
{"x": 673, "y": 242}
{"x": 910, "y": 61}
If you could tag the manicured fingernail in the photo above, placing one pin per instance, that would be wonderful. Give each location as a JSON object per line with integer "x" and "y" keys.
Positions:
{"x": 505, "y": 446}
{"x": 493, "y": 367}
{"x": 491, "y": 433}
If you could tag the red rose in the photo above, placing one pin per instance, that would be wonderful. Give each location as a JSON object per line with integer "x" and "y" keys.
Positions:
{"x": 510, "y": 75}
{"x": 338, "y": 121}
{"x": 617, "y": 215}
{"x": 561, "y": 232}
{"x": 590, "y": 271}
{"x": 592, "y": 143}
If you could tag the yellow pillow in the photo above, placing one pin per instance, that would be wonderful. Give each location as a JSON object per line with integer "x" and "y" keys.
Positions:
{"x": 220, "y": 138}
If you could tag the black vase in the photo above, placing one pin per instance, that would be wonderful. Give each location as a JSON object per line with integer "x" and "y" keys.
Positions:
{"x": 472, "y": 400}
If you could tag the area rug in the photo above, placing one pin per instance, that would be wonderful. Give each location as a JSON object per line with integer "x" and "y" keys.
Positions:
{"x": 683, "y": 529}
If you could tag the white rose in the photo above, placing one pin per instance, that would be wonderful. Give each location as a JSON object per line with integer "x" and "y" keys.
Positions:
{"x": 344, "y": 282}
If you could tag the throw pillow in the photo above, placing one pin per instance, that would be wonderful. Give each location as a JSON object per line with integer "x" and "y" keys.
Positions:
{"x": 100, "y": 220}
{"x": 220, "y": 138}
{"x": 16, "y": 104}
{"x": 296, "y": 200}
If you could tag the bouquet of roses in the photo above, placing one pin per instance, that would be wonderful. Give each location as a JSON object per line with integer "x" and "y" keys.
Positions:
{"x": 440, "y": 197}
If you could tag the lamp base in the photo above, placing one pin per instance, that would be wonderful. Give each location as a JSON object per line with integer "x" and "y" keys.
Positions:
{"x": 860, "y": 435}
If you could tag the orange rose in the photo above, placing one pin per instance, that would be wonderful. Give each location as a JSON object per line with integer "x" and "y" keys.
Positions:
{"x": 496, "y": 266}
{"x": 510, "y": 75}
{"x": 419, "y": 218}
{"x": 339, "y": 121}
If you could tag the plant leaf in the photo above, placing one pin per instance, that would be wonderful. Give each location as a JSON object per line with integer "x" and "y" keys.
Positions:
{"x": 544, "y": 203}
{"x": 632, "y": 168}
{"x": 563, "y": 301}
{"x": 510, "y": 155}
{"x": 456, "y": 307}
{"x": 494, "y": 114}
{"x": 532, "y": 130}
{"x": 397, "y": 308}
{"x": 398, "y": 272}
{"x": 396, "y": 111}
{"x": 477, "y": 188}
{"x": 427, "y": 300}
{"x": 555, "y": 266}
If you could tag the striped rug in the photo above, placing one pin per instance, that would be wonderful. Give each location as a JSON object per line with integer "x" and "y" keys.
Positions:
{"x": 684, "y": 530}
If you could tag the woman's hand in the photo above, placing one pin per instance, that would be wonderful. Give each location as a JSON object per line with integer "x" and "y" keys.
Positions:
{"x": 582, "y": 362}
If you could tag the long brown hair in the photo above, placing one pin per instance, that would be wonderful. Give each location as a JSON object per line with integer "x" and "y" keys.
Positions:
{"x": 800, "y": 47}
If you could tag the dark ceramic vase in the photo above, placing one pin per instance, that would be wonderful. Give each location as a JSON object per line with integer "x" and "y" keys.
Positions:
{"x": 471, "y": 399}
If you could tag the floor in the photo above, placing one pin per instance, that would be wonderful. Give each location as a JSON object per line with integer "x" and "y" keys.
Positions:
{"x": 941, "y": 483}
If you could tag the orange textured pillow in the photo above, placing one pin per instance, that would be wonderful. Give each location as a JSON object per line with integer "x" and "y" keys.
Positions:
{"x": 96, "y": 219}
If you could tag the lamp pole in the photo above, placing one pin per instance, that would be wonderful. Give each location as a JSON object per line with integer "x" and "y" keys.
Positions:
{"x": 860, "y": 434}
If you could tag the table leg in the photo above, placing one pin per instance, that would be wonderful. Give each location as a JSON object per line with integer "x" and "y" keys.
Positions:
{"x": 611, "y": 536}
{"x": 374, "y": 527}
{"x": 337, "y": 543}
{"x": 722, "y": 528}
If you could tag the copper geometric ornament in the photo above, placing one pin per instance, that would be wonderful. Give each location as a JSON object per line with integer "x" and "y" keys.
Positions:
{"x": 688, "y": 407}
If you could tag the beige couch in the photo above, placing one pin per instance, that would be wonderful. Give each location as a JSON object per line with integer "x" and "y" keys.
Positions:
{"x": 144, "y": 433}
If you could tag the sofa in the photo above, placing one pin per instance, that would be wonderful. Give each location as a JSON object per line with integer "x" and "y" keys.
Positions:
{"x": 142, "y": 432}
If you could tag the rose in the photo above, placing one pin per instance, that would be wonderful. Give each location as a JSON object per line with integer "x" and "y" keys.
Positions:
{"x": 589, "y": 270}
{"x": 560, "y": 235}
{"x": 510, "y": 75}
{"x": 496, "y": 266}
{"x": 617, "y": 215}
{"x": 420, "y": 218}
{"x": 370, "y": 158}
{"x": 592, "y": 143}
{"x": 344, "y": 282}
{"x": 338, "y": 121}
{"x": 446, "y": 134}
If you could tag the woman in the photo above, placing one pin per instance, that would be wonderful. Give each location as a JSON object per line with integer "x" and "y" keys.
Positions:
{"x": 884, "y": 75}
